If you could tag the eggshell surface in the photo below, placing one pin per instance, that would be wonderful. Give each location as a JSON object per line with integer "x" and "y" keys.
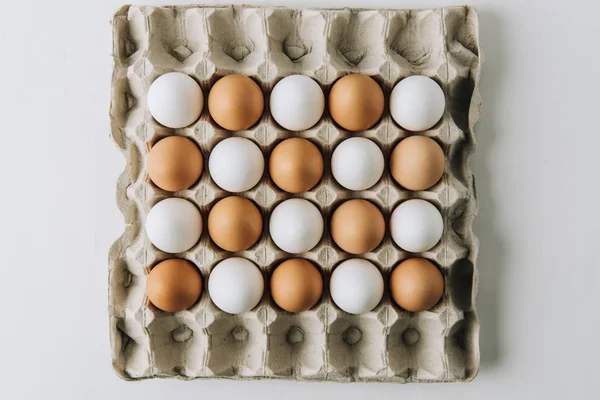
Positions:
{"x": 416, "y": 284}
{"x": 357, "y": 226}
{"x": 356, "y": 102}
{"x": 236, "y": 164}
{"x": 296, "y": 165}
{"x": 297, "y": 102}
{"x": 174, "y": 285}
{"x": 416, "y": 225}
{"x": 296, "y": 285}
{"x": 356, "y": 286}
{"x": 357, "y": 163}
{"x": 417, "y": 103}
{"x": 235, "y": 285}
{"x": 174, "y": 163}
{"x": 234, "y": 223}
{"x": 175, "y": 100}
{"x": 296, "y": 226}
{"x": 417, "y": 163}
{"x": 236, "y": 102}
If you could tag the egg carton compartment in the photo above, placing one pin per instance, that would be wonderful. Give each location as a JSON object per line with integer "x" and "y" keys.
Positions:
{"x": 387, "y": 344}
{"x": 297, "y": 344}
{"x": 237, "y": 345}
{"x": 179, "y": 345}
{"x": 356, "y": 346}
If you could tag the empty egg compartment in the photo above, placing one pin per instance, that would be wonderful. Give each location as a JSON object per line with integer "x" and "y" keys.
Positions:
{"x": 237, "y": 40}
{"x": 296, "y": 344}
{"x": 324, "y": 343}
{"x": 354, "y": 40}
{"x": 296, "y": 41}
{"x": 130, "y": 37}
{"x": 414, "y": 43}
{"x": 237, "y": 344}
{"x": 356, "y": 345}
{"x": 178, "y": 344}
{"x": 417, "y": 340}
{"x": 177, "y": 37}
{"x": 130, "y": 345}
{"x": 462, "y": 36}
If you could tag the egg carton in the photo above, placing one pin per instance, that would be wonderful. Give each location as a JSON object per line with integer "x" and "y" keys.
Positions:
{"x": 387, "y": 344}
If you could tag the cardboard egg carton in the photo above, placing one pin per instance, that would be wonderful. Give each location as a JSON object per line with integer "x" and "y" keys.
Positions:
{"x": 387, "y": 344}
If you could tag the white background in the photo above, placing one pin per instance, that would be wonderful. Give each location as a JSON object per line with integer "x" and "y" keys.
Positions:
{"x": 537, "y": 174}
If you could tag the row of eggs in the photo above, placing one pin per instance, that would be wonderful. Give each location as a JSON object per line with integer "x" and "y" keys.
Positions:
{"x": 236, "y": 285}
{"x": 357, "y": 226}
{"x": 297, "y": 102}
{"x": 295, "y": 165}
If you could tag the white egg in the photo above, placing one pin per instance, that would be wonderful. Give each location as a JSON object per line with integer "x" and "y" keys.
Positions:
{"x": 236, "y": 164}
{"x": 417, "y": 103}
{"x": 416, "y": 225}
{"x": 297, "y": 102}
{"x": 296, "y": 226}
{"x": 235, "y": 285}
{"x": 174, "y": 225}
{"x": 356, "y": 286}
{"x": 175, "y": 100}
{"x": 357, "y": 163}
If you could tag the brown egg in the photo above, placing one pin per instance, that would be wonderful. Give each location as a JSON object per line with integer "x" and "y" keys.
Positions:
{"x": 234, "y": 223}
{"x": 416, "y": 284}
{"x": 357, "y": 226}
{"x": 174, "y": 163}
{"x": 236, "y": 102}
{"x": 417, "y": 163}
{"x": 296, "y": 165}
{"x": 356, "y": 102}
{"x": 296, "y": 285}
{"x": 174, "y": 285}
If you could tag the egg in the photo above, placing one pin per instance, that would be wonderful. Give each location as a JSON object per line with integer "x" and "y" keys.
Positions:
{"x": 236, "y": 164}
{"x": 297, "y": 102}
{"x": 174, "y": 225}
{"x": 296, "y": 165}
{"x": 357, "y": 226}
{"x": 417, "y": 103}
{"x": 417, "y": 163}
{"x": 235, "y": 285}
{"x": 296, "y": 226}
{"x": 357, "y": 163}
{"x": 416, "y": 225}
{"x": 416, "y": 284}
{"x": 174, "y": 163}
{"x": 235, "y": 102}
{"x": 234, "y": 223}
{"x": 296, "y": 285}
{"x": 356, "y": 286}
{"x": 356, "y": 102}
{"x": 175, "y": 100}
{"x": 174, "y": 285}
